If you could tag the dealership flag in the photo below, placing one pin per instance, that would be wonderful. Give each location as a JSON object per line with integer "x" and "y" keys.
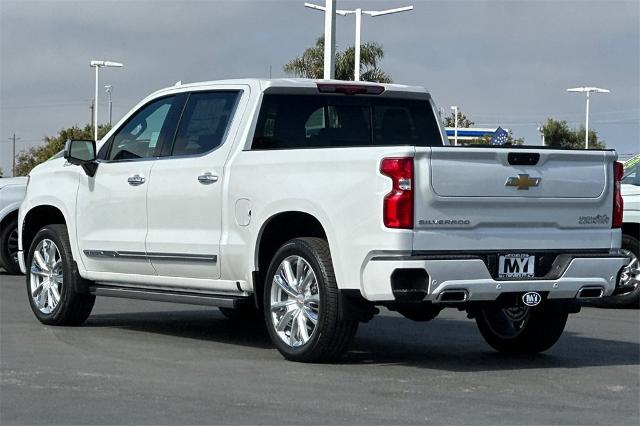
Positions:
{"x": 499, "y": 137}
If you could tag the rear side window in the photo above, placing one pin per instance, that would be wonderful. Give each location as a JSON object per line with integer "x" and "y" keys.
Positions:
{"x": 204, "y": 122}
{"x": 319, "y": 121}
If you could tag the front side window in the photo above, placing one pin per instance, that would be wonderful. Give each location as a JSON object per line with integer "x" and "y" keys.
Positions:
{"x": 139, "y": 137}
{"x": 317, "y": 121}
{"x": 204, "y": 122}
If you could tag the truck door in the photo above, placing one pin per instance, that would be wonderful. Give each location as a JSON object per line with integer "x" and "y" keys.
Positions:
{"x": 185, "y": 199}
{"x": 111, "y": 207}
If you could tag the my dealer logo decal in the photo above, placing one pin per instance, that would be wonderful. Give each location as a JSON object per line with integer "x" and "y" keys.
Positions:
{"x": 516, "y": 265}
{"x": 531, "y": 298}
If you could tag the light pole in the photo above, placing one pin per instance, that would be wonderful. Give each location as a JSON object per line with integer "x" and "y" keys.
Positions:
{"x": 588, "y": 91}
{"x": 454, "y": 108}
{"x": 541, "y": 130}
{"x": 358, "y": 12}
{"x": 13, "y": 167}
{"x": 97, "y": 65}
{"x": 356, "y": 46}
{"x": 108, "y": 90}
{"x": 329, "y": 69}
{"x": 330, "y": 40}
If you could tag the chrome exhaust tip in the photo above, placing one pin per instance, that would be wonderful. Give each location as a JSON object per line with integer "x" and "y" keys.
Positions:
{"x": 590, "y": 293}
{"x": 453, "y": 296}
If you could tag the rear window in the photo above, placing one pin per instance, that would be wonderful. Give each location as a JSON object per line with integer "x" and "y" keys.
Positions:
{"x": 204, "y": 122}
{"x": 324, "y": 121}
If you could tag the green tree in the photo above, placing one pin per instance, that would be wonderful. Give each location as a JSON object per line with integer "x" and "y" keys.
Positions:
{"x": 27, "y": 160}
{"x": 311, "y": 63}
{"x": 1, "y": 173}
{"x": 558, "y": 134}
{"x": 463, "y": 121}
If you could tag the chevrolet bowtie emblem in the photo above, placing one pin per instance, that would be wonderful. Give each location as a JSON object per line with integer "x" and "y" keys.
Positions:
{"x": 523, "y": 181}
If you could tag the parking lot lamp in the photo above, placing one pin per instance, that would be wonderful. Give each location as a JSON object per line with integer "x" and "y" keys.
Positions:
{"x": 358, "y": 12}
{"x": 97, "y": 65}
{"x": 588, "y": 91}
{"x": 108, "y": 89}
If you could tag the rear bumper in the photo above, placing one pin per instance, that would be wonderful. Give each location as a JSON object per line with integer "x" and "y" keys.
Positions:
{"x": 469, "y": 275}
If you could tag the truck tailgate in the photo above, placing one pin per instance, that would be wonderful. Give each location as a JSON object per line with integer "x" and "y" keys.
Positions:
{"x": 494, "y": 198}
{"x": 476, "y": 172}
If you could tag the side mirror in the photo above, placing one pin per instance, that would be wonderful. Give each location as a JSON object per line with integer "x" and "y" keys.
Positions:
{"x": 82, "y": 153}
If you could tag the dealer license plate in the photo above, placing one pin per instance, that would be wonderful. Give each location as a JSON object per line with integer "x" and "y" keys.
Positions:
{"x": 516, "y": 265}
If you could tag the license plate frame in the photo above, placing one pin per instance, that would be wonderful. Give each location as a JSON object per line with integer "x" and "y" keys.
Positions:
{"x": 516, "y": 265}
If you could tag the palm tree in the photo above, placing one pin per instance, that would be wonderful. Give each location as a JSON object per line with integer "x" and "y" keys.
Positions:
{"x": 311, "y": 63}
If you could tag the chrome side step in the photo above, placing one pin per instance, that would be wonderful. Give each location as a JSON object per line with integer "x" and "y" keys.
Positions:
{"x": 186, "y": 297}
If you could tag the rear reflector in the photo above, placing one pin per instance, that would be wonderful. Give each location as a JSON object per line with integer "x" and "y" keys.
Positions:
{"x": 350, "y": 89}
{"x": 618, "y": 204}
{"x": 397, "y": 208}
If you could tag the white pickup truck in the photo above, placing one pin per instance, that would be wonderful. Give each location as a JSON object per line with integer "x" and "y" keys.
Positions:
{"x": 309, "y": 203}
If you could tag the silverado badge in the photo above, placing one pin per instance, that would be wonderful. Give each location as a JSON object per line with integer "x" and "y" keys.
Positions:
{"x": 523, "y": 181}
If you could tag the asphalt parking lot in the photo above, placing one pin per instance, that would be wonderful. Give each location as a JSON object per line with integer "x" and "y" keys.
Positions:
{"x": 152, "y": 363}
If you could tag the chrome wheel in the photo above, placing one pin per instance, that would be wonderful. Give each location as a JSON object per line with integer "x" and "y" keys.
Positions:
{"x": 507, "y": 322}
{"x": 630, "y": 276}
{"x": 46, "y": 277}
{"x": 295, "y": 301}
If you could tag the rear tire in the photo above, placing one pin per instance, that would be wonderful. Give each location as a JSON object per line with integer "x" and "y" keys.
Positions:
{"x": 301, "y": 303}
{"x": 631, "y": 299}
{"x": 9, "y": 247}
{"x": 521, "y": 330}
{"x": 54, "y": 286}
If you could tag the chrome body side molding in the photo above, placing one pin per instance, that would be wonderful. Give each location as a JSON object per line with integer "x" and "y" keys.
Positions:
{"x": 151, "y": 256}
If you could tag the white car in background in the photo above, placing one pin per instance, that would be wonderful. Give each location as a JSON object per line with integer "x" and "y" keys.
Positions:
{"x": 630, "y": 277}
{"x": 12, "y": 192}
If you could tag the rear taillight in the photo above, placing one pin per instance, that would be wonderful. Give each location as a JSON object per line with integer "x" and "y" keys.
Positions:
{"x": 397, "y": 210}
{"x": 618, "y": 204}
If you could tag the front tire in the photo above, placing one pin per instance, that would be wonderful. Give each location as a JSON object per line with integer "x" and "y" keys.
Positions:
{"x": 520, "y": 329}
{"x": 301, "y": 303}
{"x": 53, "y": 281}
{"x": 9, "y": 247}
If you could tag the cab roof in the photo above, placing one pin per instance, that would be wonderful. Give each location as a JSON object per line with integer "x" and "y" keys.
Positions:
{"x": 284, "y": 83}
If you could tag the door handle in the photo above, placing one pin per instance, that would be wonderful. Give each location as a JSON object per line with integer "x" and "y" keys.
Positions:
{"x": 207, "y": 178}
{"x": 135, "y": 180}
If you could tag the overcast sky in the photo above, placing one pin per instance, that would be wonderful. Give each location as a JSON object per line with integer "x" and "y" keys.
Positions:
{"x": 504, "y": 63}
